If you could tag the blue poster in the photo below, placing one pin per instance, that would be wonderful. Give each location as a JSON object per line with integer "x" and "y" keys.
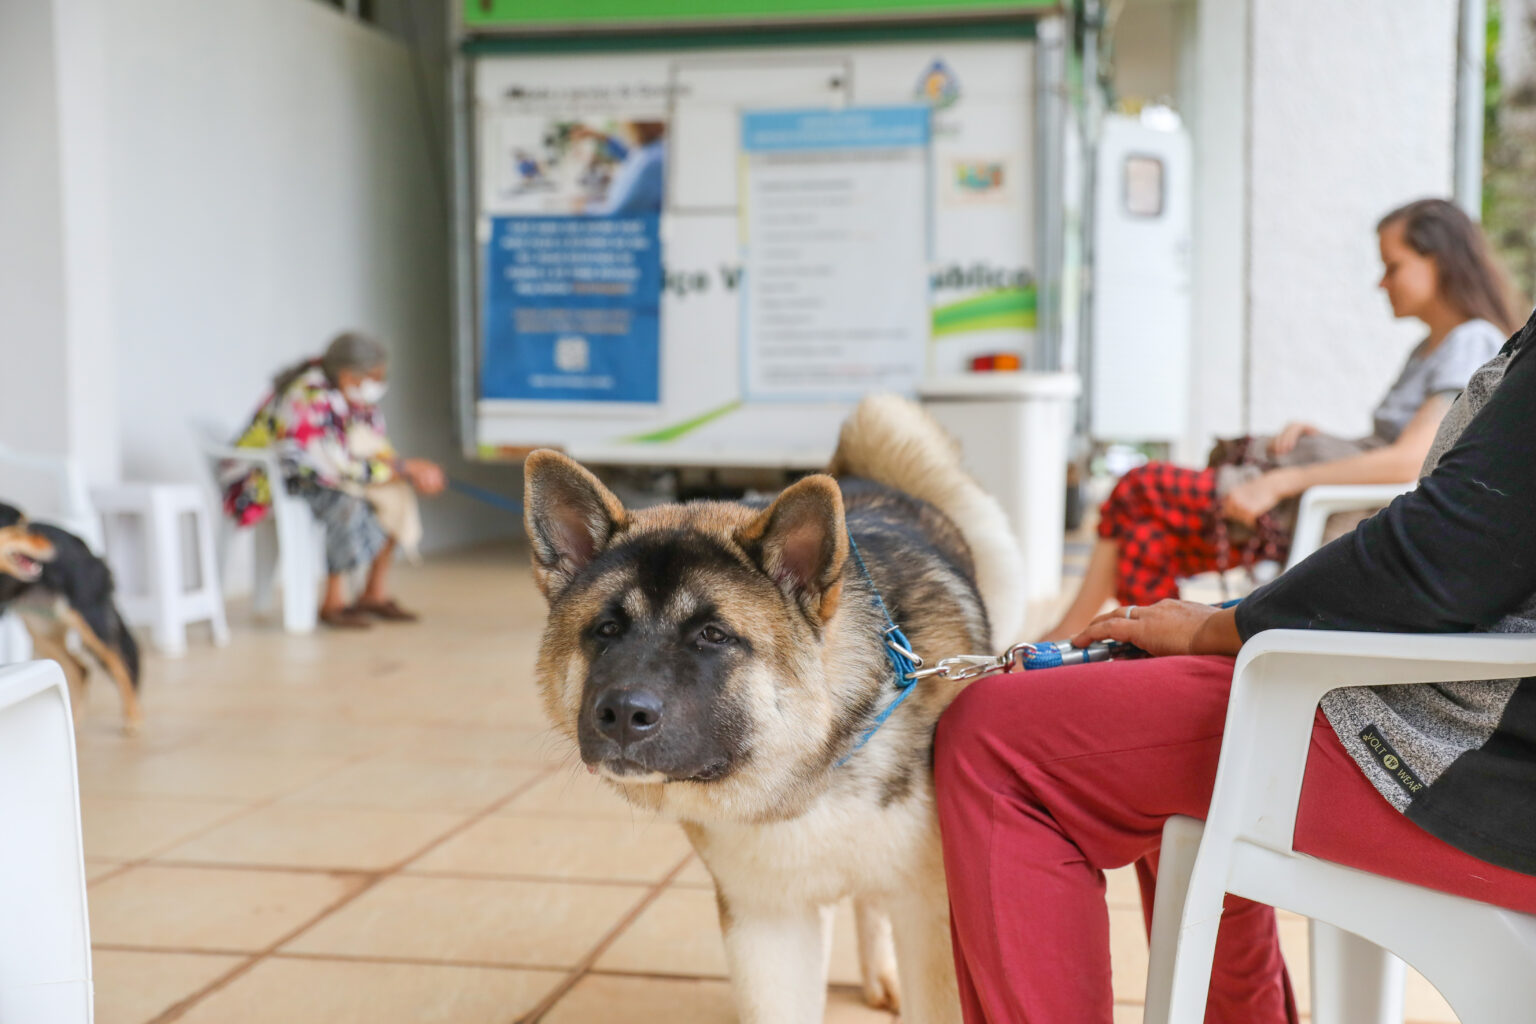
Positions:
{"x": 573, "y": 309}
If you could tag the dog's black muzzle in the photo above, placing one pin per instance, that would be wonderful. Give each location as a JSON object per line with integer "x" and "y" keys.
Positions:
{"x": 635, "y": 729}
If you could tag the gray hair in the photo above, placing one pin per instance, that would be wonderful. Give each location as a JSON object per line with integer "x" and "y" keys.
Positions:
{"x": 350, "y": 350}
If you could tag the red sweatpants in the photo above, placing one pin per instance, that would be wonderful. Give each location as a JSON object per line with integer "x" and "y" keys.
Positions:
{"x": 1046, "y": 780}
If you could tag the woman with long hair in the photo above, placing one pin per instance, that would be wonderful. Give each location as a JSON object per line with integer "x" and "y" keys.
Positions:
{"x": 1163, "y": 522}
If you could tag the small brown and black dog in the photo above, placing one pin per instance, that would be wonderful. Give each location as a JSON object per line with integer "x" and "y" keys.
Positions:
{"x": 53, "y": 579}
{"x": 724, "y": 664}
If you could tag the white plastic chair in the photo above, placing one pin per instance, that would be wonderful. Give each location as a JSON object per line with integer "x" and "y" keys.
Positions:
{"x": 1341, "y": 963}
{"x": 1318, "y": 503}
{"x": 290, "y": 542}
{"x": 1481, "y": 958}
{"x": 45, "y": 935}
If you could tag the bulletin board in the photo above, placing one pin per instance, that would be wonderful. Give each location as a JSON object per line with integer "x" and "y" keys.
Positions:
{"x": 701, "y": 249}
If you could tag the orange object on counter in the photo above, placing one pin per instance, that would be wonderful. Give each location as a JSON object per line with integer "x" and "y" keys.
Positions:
{"x": 997, "y": 361}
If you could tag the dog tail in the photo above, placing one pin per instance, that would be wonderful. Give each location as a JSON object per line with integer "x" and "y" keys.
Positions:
{"x": 892, "y": 441}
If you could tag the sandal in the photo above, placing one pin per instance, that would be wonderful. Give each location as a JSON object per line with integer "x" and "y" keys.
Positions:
{"x": 345, "y": 618}
{"x": 389, "y": 611}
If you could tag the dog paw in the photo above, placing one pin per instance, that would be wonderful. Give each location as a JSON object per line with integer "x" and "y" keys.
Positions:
{"x": 132, "y": 727}
{"x": 881, "y": 993}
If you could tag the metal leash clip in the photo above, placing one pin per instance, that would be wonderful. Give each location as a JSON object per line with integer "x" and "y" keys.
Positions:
{"x": 1022, "y": 657}
{"x": 966, "y": 666}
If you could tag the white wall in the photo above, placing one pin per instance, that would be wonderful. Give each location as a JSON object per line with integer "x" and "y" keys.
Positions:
{"x": 272, "y": 185}
{"x": 1351, "y": 114}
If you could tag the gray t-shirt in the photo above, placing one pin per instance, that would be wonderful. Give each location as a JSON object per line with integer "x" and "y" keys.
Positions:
{"x": 1445, "y": 371}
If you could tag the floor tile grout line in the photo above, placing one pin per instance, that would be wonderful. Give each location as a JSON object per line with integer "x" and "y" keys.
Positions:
{"x": 371, "y": 881}
{"x": 159, "y": 852}
{"x": 347, "y": 958}
{"x": 461, "y": 876}
{"x": 476, "y": 876}
{"x": 614, "y": 972}
{"x": 198, "y": 833}
{"x": 584, "y": 965}
{"x": 491, "y": 809}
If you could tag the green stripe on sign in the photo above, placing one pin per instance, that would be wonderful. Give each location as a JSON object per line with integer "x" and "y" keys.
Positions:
{"x": 533, "y": 13}
{"x": 677, "y": 430}
{"x": 1006, "y": 307}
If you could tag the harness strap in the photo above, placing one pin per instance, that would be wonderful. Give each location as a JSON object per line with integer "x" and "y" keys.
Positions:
{"x": 898, "y": 650}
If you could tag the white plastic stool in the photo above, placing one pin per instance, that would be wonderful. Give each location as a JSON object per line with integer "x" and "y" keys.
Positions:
{"x": 165, "y": 603}
{"x": 45, "y": 933}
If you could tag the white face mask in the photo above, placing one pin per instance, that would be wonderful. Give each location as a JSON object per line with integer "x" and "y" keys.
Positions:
{"x": 369, "y": 392}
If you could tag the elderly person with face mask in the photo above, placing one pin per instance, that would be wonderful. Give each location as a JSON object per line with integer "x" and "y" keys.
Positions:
{"x": 323, "y": 420}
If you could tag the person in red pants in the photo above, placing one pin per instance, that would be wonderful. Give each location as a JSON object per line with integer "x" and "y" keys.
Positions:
{"x": 1046, "y": 780}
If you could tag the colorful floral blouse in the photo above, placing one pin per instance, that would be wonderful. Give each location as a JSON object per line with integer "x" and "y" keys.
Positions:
{"x": 320, "y": 438}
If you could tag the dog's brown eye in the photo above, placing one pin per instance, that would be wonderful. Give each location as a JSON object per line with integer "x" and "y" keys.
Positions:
{"x": 715, "y": 635}
{"x": 608, "y": 629}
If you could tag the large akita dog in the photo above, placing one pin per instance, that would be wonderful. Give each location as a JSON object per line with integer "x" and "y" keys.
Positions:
{"x": 718, "y": 662}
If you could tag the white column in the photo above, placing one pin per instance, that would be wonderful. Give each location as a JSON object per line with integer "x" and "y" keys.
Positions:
{"x": 56, "y": 332}
{"x": 1219, "y": 130}
{"x": 32, "y": 318}
{"x": 80, "y": 68}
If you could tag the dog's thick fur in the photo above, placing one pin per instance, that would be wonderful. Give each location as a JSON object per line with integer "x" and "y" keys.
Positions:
{"x": 52, "y": 577}
{"x": 717, "y": 661}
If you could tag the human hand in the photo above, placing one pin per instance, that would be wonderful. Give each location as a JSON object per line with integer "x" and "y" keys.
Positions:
{"x": 1285, "y": 442}
{"x": 1168, "y": 627}
{"x": 1246, "y": 502}
{"x": 424, "y": 475}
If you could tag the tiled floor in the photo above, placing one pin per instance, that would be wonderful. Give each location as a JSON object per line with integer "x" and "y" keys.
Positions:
{"x": 378, "y": 828}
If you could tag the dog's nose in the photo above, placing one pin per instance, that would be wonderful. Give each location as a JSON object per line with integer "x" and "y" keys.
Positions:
{"x": 627, "y": 715}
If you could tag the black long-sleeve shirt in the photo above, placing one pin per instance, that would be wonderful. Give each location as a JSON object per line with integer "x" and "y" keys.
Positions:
{"x": 1458, "y": 554}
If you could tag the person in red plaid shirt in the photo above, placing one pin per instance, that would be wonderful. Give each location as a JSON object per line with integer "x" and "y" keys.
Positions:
{"x": 1164, "y": 522}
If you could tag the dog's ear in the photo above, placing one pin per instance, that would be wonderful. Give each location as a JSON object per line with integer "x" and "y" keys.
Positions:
{"x": 801, "y": 541}
{"x": 570, "y": 517}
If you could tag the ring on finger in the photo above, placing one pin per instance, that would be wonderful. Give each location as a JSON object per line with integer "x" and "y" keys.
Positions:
{"x": 1129, "y": 609}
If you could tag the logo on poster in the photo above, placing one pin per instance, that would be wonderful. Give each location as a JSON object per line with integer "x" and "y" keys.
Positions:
{"x": 572, "y": 354}
{"x": 978, "y": 177}
{"x": 938, "y": 86}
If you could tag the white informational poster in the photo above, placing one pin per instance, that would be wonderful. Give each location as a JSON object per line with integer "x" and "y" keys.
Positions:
{"x": 835, "y": 303}
{"x": 603, "y": 179}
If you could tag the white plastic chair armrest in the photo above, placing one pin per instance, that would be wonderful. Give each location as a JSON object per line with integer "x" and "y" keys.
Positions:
{"x": 1280, "y": 677}
{"x": 1322, "y": 501}
{"x": 1343, "y": 496}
